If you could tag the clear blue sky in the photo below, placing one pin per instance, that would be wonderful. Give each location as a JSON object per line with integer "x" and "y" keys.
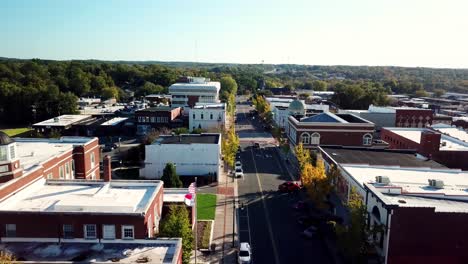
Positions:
{"x": 431, "y": 33}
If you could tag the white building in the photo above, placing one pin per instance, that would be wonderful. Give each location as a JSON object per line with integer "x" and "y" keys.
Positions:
{"x": 207, "y": 116}
{"x": 193, "y": 155}
{"x": 282, "y": 108}
{"x": 194, "y": 90}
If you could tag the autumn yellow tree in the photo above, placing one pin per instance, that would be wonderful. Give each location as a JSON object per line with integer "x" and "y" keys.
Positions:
{"x": 229, "y": 146}
{"x": 302, "y": 155}
{"x": 318, "y": 188}
{"x": 6, "y": 258}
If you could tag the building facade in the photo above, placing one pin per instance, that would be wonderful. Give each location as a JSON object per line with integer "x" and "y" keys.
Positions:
{"x": 207, "y": 116}
{"x": 439, "y": 146}
{"x": 24, "y": 160}
{"x": 76, "y": 210}
{"x": 191, "y": 90}
{"x": 330, "y": 129}
{"x": 156, "y": 117}
{"x": 193, "y": 155}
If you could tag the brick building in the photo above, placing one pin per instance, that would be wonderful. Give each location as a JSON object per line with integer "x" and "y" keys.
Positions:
{"x": 79, "y": 209}
{"x": 330, "y": 129}
{"x": 24, "y": 160}
{"x": 157, "y": 117}
{"x": 441, "y": 146}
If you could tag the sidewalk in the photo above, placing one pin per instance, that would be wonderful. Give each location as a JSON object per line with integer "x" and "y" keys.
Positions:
{"x": 224, "y": 225}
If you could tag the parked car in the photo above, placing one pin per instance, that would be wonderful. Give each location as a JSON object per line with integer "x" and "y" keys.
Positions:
{"x": 300, "y": 206}
{"x": 289, "y": 186}
{"x": 239, "y": 173}
{"x": 310, "y": 232}
{"x": 245, "y": 254}
{"x": 256, "y": 145}
{"x": 238, "y": 165}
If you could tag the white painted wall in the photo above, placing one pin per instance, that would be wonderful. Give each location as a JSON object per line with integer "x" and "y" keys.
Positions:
{"x": 190, "y": 159}
{"x": 212, "y": 118}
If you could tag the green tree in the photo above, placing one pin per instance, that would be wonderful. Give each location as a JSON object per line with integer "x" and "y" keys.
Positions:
{"x": 319, "y": 85}
{"x": 110, "y": 92}
{"x": 67, "y": 103}
{"x": 421, "y": 93}
{"x": 170, "y": 177}
{"x": 181, "y": 130}
{"x": 438, "y": 93}
{"x": 177, "y": 224}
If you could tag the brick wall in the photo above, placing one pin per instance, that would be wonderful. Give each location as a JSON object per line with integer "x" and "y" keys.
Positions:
{"x": 342, "y": 136}
{"x": 51, "y": 225}
{"x": 420, "y": 235}
{"x": 413, "y": 117}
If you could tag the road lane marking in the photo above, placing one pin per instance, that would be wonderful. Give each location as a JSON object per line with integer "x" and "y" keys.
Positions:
{"x": 270, "y": 230}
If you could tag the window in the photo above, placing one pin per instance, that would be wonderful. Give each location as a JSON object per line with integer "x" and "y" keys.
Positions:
{"x": 3, "y": 168}
{"x": 3, "y": 153}
{"x": 68, "y": 231}
{"x": 10, "y": 230}
{"x": 108, "y": 231}
{"x": 153, "y": 119}
{"x": 201, "y": 116}
{"x": 12, "y": 151}
{"x": 92, "y": 160}
{"x": 127, "y": 232}
{"x": 67, "y": 170}
{"x": 193, "y": 116}
{"x": 93, "y": 175}
{"x": 90, "y": 231}
{"x": 72, "y": 166}
{"x": 305, "y": 138}
{"x": 61, "y": 174}
{"x": 50, "y": 176}
{"x": 211, "y": 115}
{"x": 315, "y": 138}
{"x": 367, "y": 139}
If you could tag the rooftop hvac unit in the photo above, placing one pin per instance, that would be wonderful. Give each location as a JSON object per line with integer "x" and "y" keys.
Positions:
{"x": 382, "y": 179}
{"x": 56, "y": 119}
{"x": 439, "y": 184}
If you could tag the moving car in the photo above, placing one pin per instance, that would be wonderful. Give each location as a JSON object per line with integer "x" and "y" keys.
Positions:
{"x": 310, "y": 232}
{"x": 238, "y": 165}
{"x": 289, "y": 186}
{"x": 239, "y": 173}
{"x": 245, "y": 254}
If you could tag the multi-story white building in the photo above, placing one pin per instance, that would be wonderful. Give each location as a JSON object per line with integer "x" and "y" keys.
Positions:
{"x": 193, "y": 155}
{"x": 192, "y": 90}
{"x": 207, "y": 116}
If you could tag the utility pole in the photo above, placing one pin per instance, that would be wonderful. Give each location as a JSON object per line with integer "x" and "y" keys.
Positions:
{"x": 196, "y": 223}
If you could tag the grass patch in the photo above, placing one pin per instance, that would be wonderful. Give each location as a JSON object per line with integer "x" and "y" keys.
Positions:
{"x": 203, "y": 234}
{"x": 12, "y": 132}
{"x": 206, "y": 206}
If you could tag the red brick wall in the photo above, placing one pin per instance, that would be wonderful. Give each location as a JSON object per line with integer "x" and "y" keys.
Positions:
{"x": 419, "y": 235}
{"x": 452, "y": 159}
{"x": 396, "y": 141}
{"x": 342, "y": 138}
{"x": 157, "y": 202}
{"x": 51, "y": 225}
{"x": 82, "y": 157}
{"x": 413, "y": 117}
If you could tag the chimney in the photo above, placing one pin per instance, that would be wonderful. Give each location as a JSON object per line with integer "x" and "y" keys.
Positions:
{"x": 430, "y": 143}
{"x": 107, "y": 169}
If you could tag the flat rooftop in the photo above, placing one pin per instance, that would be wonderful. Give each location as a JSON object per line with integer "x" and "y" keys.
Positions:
{"x": 123, "y": 197}
{"x": 208, "y": 86}
{"x": 63, "y": 120}
{"x": 414, "y": 134}
{"x": 379, "y": 157}
{"x": 189, "y": 139}
{"x": 114, "y": 121}
{"x": 34, "y": 151}
{"x": 413, "y": 181}
{"x": 109, "y": 110}
{"x": 159, "y": 251}
{"x": 174, "y": 195}
{"x": 452, "y": 131}
{"x": 157, "y": 109}
{"x": 209, "y": 106}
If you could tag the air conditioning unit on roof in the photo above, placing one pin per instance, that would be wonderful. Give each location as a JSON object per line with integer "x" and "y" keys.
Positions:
{"x": 382, "y": 179}
{"x": 439, "y": 184}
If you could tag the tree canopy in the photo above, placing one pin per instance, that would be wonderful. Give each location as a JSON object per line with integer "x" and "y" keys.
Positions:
{"x": 170, "y": 177}
{"x": 177, "y": 224}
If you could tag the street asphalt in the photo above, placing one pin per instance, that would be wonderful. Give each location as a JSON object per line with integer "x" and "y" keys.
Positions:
{"x": 266, "y": 217}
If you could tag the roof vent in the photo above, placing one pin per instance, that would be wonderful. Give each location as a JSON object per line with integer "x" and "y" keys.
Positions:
{"x": 439, "y": 184}
{"x": 382, "y": 179}
{"x": 56, "y": 119}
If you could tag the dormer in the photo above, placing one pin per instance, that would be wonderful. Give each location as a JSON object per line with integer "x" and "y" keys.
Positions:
{"x": 9, "y": 162}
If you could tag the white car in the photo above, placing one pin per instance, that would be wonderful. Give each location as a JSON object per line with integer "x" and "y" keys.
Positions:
{"x": 310, "y": 232}
{"x": 238, "y": 173}
{"x": 238, "y": 165}
{"x": 245, "y": 254}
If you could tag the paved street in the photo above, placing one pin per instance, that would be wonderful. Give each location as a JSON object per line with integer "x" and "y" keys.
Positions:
{"x": 267, "y": 220}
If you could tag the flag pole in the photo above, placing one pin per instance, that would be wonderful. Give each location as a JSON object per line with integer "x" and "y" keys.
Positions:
{"x": 196, "y": 223}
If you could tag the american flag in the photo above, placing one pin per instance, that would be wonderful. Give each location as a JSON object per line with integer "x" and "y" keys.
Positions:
{"x": 192, "y": 188}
